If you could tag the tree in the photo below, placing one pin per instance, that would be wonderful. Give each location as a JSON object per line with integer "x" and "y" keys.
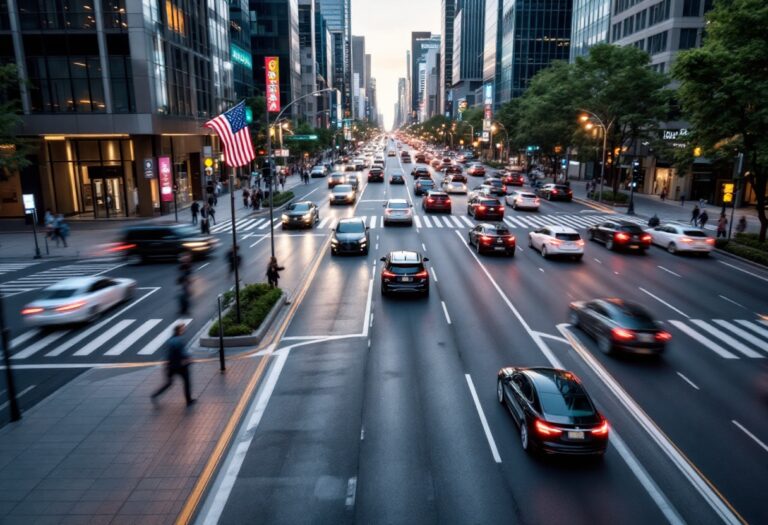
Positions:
{"x": 14, "y": 151}
{"x": 724, "y": 86}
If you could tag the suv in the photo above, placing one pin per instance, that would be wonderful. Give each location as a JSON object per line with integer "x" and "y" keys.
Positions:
{"x": 555, "y": 192}
{"x": 620, "y": 234}
{"x": 485, "y": 207}
{"x": 350, "y": 236}
{"x": 423, "y": 185}
{"x": 404, "y": 272}
{"x": 165, "y": 241}
{"x": 436, "y": 201}
{"x": 494, "y": 238}
{"x": 420, "y": 171}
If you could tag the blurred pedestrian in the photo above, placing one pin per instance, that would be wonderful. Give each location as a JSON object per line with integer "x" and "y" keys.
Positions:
{"x": 741, "y": 226}
{"x": 682, "y": 199}
{"x": 663, "y": 195}
{"x": 60, "y": 230}
{"x": 702, "y": 202}
{"x": 49, "y": 220}
{"x": 234, "y": 259}
{"x": 273, "y": 272}
{"x": 246, "y": 197}
{"x": 212, "y": 214}
{"x": 177, "y": 364}
{"x": 722, "y": 226}
{"x": 211, "y": 200}
{"x": 654, "y": 221}
{"x": 205, "y": 226}
{"x": 703, "y": 218}
{"x": 695, "y": 215}
{"x": 194, "y": 209}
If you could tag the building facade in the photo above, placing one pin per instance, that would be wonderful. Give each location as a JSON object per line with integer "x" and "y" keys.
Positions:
{"x": 415, "y": 57}
{"x": 468, "y": 47}
{"x": 240, "y": 48}
{"x": 447, "y": 12}
{"x": 492, "y": 49}
{"x": 338, "y": 17}
{"x": 308, "y": 107}
{"x": 590, "y": 24}
{"x": 358, "y": 78}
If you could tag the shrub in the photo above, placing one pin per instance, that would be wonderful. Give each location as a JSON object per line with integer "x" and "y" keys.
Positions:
{"x": 609, "y": 196}
{"x": 749, "y": 253}
{"x": 256, "y": 301}
{"x": 281, "y": 198}
{"x": 752, "y": 240}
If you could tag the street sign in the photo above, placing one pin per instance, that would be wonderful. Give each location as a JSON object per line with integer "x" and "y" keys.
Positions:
{"x": 486, "y": 136}
{"x": 301, "y": 137}
{"x": 272, "y": 72}
{"x": 166, "y": 179}
{"x": 149, "y": 168}
{"x": 29, "y": 202}
{"x": 281, "y": 153}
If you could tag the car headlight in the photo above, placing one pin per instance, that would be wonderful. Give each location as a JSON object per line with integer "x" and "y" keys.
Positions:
{"x": 363, "y": 242}
{"x": 195, "y": 244}
{"x": 334, "y": 242}
{"x": 284, "y": 217}
{"x": 306, "y": 216}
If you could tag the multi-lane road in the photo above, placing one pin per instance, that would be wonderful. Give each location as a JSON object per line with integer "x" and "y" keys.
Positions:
{"x": 382, "y": 410}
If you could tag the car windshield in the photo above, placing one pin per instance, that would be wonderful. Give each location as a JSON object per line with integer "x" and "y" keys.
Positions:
{"x": 528, "y": 195}
{"x": 299, "y": 206}
{"x": 566, "y": 404}
{"x": 403, "y": 269}
{"x": 494, "y": 182}
{"x": 351, "y": 227}
{"x": 567, "y": 236}
{"x": 694, "y": 233}
{"x": 186, "y": 231}
{"x": 562, "y": 188}
{"x": 60, "y": 293}
{"x": 631, "y": 229}
{"x": 397, "y": 205}
{"x": 342, "y": 188}
{"x": 489, "y": 202}
{"x": 634, "y": 318}
{"x": 425, "y": 182}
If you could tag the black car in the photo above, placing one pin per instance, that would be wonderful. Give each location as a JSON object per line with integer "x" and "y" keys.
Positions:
{"x": 553, "y": 411}
{"x": 555, "y": 192}
{"x": 404, "y": 272}
{"x": 396, "y": 178}
{"x": 481, "y": 206}
{"x": 497, "y": 186}
{"x": 453, "y": 169}
{"x": 350, "y": 236}
{"x": 420, "y": 171}
{"x": 376, "y": 174}
{"x": 302, "y": 214}
{"x": 619, "y": 325}
{"x": 620, "y": 235}
{"x": 493, "y": 238}
{"x": 165, "y": 241}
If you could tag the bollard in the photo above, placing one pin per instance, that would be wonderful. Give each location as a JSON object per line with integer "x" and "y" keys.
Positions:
{"x": 221, "y": 339}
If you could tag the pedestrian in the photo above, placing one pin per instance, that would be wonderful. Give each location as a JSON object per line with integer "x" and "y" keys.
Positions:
{"x": 663, "y": 195}
{"x": 211, "y": 201}
{"x": 258, "y": 198}
{"x": 246, "y": 197}
{"x": 212, "y": 214}
{"x": 654, "y": 221}
{"x": 695, "y": 215}
{"x": 205, "y": 226}
{"x": 273, "y": 272}
{"x": 49, "y": 219}
{"x": 703, "y": 218}
{"x": 682, "y": 199}
{"x": 741, "y": 226}
{"x": 234, "y": 259}
{"x": 722, "y": 226}
{"x": 177, "y": 365}
{"x": 195, "y": 209}
{"x": 217, "y": 192}
{"x": 702, "y": 202}
{"x": 282, "y": 182}
{"x": 60, "y": 230}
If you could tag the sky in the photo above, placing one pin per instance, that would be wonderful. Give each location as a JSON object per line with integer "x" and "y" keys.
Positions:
{"x": 387, "y": 26}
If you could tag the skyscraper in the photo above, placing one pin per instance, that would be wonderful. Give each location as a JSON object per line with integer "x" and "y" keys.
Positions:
{"x": 338, "y": 16}
{"x": 358, "y": 76}
{"x": 492, "y": 48}
{"x": 307, "y": 51}
{"x": 447, "y": 11}
{"x": 421, "y": 43}
{"x": 590, "y": 23}
{"x": 468, "y": 42}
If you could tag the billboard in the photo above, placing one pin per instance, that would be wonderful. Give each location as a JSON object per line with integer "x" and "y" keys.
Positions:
{"x": 165, "y": 177}
{"x": 240, "y": 56}
{"x": 272, "y": 68}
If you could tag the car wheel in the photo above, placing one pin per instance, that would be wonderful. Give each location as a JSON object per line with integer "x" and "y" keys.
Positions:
{"x": 499, "y": 391}
{"x": 604, "y": 344}
{"x": 93, "y": 313}
{"x": 383, "y": 291}
{"x": 672, "y": 248}
{"x": 573, "y": 318}
{"x": 544, "y": 251}
{"x": 609, "y": 244}
{"x": 365, "y": 252}
{"x": 524, "y": 441}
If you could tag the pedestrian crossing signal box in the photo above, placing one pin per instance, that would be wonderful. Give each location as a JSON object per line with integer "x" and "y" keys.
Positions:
{"x": 728, "y": 192}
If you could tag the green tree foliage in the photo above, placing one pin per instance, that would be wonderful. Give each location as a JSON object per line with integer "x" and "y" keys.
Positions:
{"x": 724, "y": 88}
{"x": 13, "y": 150}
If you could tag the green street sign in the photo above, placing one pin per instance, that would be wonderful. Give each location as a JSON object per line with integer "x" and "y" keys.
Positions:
{"x": 301, "y": 137}
{"x": 248, "y": 115}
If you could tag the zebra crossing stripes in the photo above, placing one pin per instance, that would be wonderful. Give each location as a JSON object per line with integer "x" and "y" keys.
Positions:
{"x": 15, "y": 266}
{"x": 725, "y": 338}
{"x": 161, "y": 338}
{"x": 54, "y": 275}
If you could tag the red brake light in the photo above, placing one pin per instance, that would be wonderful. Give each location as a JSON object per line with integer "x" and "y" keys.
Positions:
{"x": 645, "y": 237}
{"x": 511, "y": 239}
{"x": 485, "y": 238}
{"x": 621, "y": 236}
{"x": 710, "y": 240}
{"x": 545, "y": 429}
{"x": 481, "y": 208}
{"x": 422, "y": 274}
{"x": 554, "y": 192}
{"x": 31, "y": 311}
{"x": 663, "y": 336}
{"x": 430, "y": 200}
{"x": 387, "y": 273}
{"x": 622, "y": 334}
{"x": 70, "y": 307}
{"x": 580, "y": 242}
{"x": 121, "y": 247}
{"x": 686, "y": 240}
{"x": 601, "y": 430}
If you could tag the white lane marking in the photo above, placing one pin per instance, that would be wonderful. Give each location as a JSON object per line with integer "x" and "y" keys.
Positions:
{"x": 18, "y": 340}
{"x": 698, "y": 482}
{"x": 265, "y": 236}
{"x": 598, "y": 261}
{"x": 423, "y": 247}
{"x": 417, "y": 220}
{"x": 730, "y": 341}
{"x": 351, "y": 491}
{"x": 445, "y": 311}
{"x": 39, "y": 345}
{"x": 434, "y": 274}
{"x": 160, "y": 339}
{"x": 682, "y": 376}
{"x": 69, "y": 343}
{"x": 662, "y": 301}
{"x": 742, "y": 333}
{"x": 754, "y": 327}
{"x": 750, "y": 434}
{"x": 368, "y": 314}
{"x": 323, "y": 222}
{"x": 483, "y": 421}
{"x": 104, "y": 337}
{"x": 541, "y": 270}
{"x": 722, "y": 352}
{"x": 25, "y": 391}
{"x": 732, "y": 301}
{"x": 457, "y": 222}
{"x": 134, "y": 336}
{"x": 427, "y": 222}
{"x": 373, "y": 222}
{"x": 202, "y": 266}
{"x": 370, "y": 323}
{"x": 744, "y": 271}
{"x": 466, "y": 221}
{"x": 377, "y": 247}
{"x": 668, "y": 271}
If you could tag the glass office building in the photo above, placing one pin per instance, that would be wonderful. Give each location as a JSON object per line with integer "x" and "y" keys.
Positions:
{"x": 591, "y": 21}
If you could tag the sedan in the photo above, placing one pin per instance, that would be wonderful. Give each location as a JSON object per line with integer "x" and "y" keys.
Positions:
{"x": 436, "y": 201}
{"x": 522, "y": 200}
{"x": 396, "y": 178}
{"x": 350, "y": 236}
{"x": 476, "y": 170}
{"x": 493, "y": 238}
{"x": 302, "y": 214}
{"x": 677, "y": 238}
{"x": 375, "y": 175}
{"x": 513, "y": 178}
{"x": 620, "y": 235}
{"x": 398, "y": 211}
{"x": 496, "y": 186}
{"x": 336, "y": 178}
{"x": 77, "y": 300}
{"x": 553, "y": 192}
{"x": 619, "y": 325}
{"x": 485, "y": 207}
{"x": 423, "y": 185}
{"x": 553, "y": 411}
{"x": 343, "y": 194}
{"x": 404, "y": 272}
{"x": 454, "y": 186}
{"x": 419, "y": 171}
{"x": 557, "y": 240}
{"x": 391, "y": 153}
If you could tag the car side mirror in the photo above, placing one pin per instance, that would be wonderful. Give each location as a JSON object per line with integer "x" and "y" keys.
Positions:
{"x": 411, "y": 205}
{"x": 425, "y": 259}
{"x": 383, "y": 259}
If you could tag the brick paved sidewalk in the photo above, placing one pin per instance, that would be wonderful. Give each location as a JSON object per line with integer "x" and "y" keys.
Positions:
{"x": 98, "y": 451}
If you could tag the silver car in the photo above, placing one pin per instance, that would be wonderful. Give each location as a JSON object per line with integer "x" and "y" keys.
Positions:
{"x": 398, "y": 211}
{"x": 343, "y": 194}
{"x": 522, "y": 200}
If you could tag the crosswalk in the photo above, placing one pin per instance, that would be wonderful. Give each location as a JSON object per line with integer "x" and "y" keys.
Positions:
{"x": 527, "y": 221}
{"x": 53, "y": 275}
{"x": 727, "y": 338}
{"x": 15, "y": 266}
{"x": 108, "y": 339}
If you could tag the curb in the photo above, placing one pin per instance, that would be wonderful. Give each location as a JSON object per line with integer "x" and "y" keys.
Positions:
{"x": 754, "y": 264}
{"x": 242, "y": 340}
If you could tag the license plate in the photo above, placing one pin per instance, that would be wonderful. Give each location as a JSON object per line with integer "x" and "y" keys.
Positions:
{"x": 499, "y": 248}
{"x": 575, "y": 434}
{"x": 406, "y": 279}
{"x": 645, "y": 338}
{"x": 500, "y": 241}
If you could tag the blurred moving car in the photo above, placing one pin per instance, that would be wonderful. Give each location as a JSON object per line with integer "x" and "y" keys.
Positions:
{"x": 301, "y": 214}
{"x": 396, "y": 178}
{"x": 436, "y": 201}
{"x": 513, "y": 178}
{"x": 318, "y": 171}
{"x": 619, "y": 235}
{"x": 397, "y": 211}
{"x": 423, "y": 185}
{"x": 420, "y": 171}
{"x": 343, "y": 194}
{"x": 453, "y": 169}
{"x": 555, "y": 192}
{"x": 496, "y": 186}
{"x": 494, "y": 238}
{"x": 375, "y": 174}
{"x": 404, "y": 272}
{"x": 164, "y": 241}
{"x": 619, "y": 325}
{"x": 77, "y": 300}
{"x": 476, "y": 169}
{"x": 452, "y": 185}
{"x": 678, "y": 238}
{"x": 557, "y": 240}
{"x": 350, "y": 236}
{"x": 336, "y": 178}
{"x": 391, "y": 153}
{"x": 553, "y": 411}
{"x": 483, "y": 207}
{"x": 522, "y": 200}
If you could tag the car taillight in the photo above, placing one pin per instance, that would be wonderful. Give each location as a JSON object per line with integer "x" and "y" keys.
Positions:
{"x": 387, "y": 274}
{"x": 602, "y": 429}
{"x": 447, "y": 201}
{"x": 430, "y": 200}
{"x": 32, "y": 311}
{"x": 545, "y": 429}
{"x": 481, "y": 208}
{"x": 621, "y": 237}
{"x": 387, "y": 211}
{"x": 556, "y": 242}
{"x": 580, "y": 242}
{"x": 663, "y": 336}
{"x": 622, "y": 334}
{"x": 510, "y": 239}
{"x": 121, "y": 247}
{"x": 554, "y": 192}
{"x": 710, "y": 240}
{"x": 537, "y": 200}
{"x": 486, "y": 238}
{"x": 645, "y": 237}
{"x": 70, "y": 307}
{"x": 422, "y": 274}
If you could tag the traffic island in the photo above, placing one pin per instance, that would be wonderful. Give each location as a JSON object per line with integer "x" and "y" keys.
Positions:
{"x": 745, "y": 246}
{"x": 259, "y": 307}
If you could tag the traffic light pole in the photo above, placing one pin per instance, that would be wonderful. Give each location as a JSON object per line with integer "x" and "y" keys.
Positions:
{"x": 271, "y": 178}
{"x": 234, "y": 242}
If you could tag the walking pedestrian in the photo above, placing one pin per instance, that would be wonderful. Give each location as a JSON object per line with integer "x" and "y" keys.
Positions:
{"x": 663, "y": 195}
{"x": 194, "y": 209}
{"x": 205, "y": 226}
{"x": 741, "y": 226}
{"x": 177, "y": 365}
{"x": 234, "y": 259}
{"x": 211, "y": 201}
{"x": 273, "y": 272}
{"x": 212, "y": 214}
{"x": 695, "y": 215}
{"x": 703, "y": 218}
{"x": 60, "y": 230}
{"x": 246, "y": 197}
{"x": 257, "y": 199}
{"x": 282, "y": 182}
{"x": 49, "y": 220}
{"x": 722, "y": 226}
{"x": 702, "y": 202}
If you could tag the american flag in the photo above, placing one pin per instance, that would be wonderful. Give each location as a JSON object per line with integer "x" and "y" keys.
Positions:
{"x": 233, "y": 131}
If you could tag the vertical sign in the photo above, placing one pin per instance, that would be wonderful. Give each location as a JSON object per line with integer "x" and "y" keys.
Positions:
{"x": 149, "y": 168}
{"x": 272, "y": 68}
{"x": 487, "y": 106}
{"x": 165, "y": 178}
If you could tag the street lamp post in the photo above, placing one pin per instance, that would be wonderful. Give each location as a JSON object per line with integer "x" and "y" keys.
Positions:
{"x": 605, "y": 129}
{"x": 506, "y": 139}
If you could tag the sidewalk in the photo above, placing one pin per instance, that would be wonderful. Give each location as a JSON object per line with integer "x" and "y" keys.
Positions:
{"x": 98, "y": 451}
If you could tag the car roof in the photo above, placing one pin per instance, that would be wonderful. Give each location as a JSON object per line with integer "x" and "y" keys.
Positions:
{"x": 74, "y": 282}
{"x": 342, "y": 187}
{"x": 559, "y": 229}
{"x": 404, "y": 256}
{"x": 348, "y": 220}
{"x": 397, "y": 201}
{"x": 552, "y": 380}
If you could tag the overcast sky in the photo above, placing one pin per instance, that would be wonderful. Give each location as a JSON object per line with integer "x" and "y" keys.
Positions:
{"x": 387, "y": 26}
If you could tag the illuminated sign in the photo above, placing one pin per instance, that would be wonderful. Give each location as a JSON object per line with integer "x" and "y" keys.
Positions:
{"x": 240, "y": 56}
{"x": 272, "y": 67}
{"x": 165, "y": 178}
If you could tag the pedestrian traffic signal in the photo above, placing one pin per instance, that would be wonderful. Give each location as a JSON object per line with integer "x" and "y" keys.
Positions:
{"x": 728, "y": 192}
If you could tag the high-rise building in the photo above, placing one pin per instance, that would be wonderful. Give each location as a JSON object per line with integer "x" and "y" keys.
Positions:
{"x": 447, "y": 11}
{"x": 590, "y": 23}
{"x": 492, "y": 50}
{"x": 421, "y": 43}
{"x": 468, "y": 42}
{"x": 308, "y": 107}
{"x": 358, "y": 73}
{"x": 240, "y": 48}
{"x": 401, "y": 108}
{"x": 114, "y": 94}
{"x": 430, "y": 69}
{"x": 338, "y": 16}
{"x": 323, "y": 68}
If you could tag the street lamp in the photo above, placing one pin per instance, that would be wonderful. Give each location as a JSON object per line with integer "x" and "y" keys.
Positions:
{"x": 506, "y": 138}
{"x": 585, "y": 119}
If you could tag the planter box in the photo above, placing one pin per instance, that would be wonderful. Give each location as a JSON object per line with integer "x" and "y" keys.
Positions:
{"x": 243, "y": 340}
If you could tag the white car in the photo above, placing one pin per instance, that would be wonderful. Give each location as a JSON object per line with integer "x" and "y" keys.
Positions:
{"x": 318, "y": 171}
{"x": 522, "y": 200}
{"x": 454, "y": 186}
{"x": 557, "y": 240}
{"x": 398, "y": 211}
{"x": 677, "y": 237}
{"x": 77, "y": 300}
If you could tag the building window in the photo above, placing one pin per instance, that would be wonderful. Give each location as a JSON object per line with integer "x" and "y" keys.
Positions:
{"x": 628, "y": 26}
{"x": 114, "y": 14}
{"x": 659, "y": 12}
{"x": 657, "y": 43}
{"x": 640, "y": 19}
{"x": 691, "y": 7}
{"x": 640, "y": 44}
{"x": 688, "y": 38}
{"x": 56, "y": 14}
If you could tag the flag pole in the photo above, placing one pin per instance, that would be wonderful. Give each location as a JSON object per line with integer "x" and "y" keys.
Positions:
{"x": 234, "y": 242}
